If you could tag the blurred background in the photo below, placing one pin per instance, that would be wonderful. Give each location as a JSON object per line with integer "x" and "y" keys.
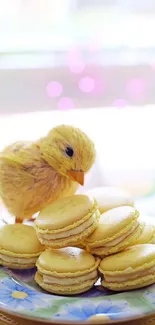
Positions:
{"x": 89, "y": 63}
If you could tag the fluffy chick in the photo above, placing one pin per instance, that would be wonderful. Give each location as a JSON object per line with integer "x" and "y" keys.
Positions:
{"x": 32, "y": 175}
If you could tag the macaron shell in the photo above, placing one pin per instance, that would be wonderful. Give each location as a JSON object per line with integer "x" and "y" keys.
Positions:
{"x": 147, "y": 235}
{"x": 64, "y": 290}
{"x": 17, "y": 266}
{"x": 80, "y": 245}
{"x": 110, "y": 197}
{"x": 19, "y": 239}
{"x": 64, "y": 212}
{"x": 128, "y": 241}
{"x": 130, "y": 285}
{"x": 112, "y": 224}
{"x": 66, "y": 260}
{"x": 129, "y": 260}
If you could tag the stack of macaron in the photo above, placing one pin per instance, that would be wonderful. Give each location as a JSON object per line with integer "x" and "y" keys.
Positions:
{"x": 67, "y": 271}
{"x": 117, "y": 229}
{"x": 19, "y": 246}
{"x": 130, "y": 269}
{"x": 120, "y": 225}
{"x": 102, "y": 222}
{"x": 80, "y": 238}
{"x": 68, "y": 221}
{"x": 124, "y": 243}
{"x": 64, "y": 269}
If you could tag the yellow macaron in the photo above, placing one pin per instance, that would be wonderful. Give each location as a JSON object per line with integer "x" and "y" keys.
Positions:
{"x": 110, "y": 197}
{"x": 19, "y": 246}
{"x": 80, "y": 245}
{"x": 117, "y": 229}
{"x": 131, "y": 269}
{"x": 66, "y": 271}
{"x": 67, "y": 222}
{"x": 147, "y": 236}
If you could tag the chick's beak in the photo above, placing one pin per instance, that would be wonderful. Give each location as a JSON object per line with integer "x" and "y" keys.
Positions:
{"x": 77, "y": 175}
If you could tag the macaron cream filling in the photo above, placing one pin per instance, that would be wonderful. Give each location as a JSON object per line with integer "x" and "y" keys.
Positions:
{"x": 86, "y": 224}
{"x": 130, "y": 276}
{"x": 81, "y": 220}
{"x": 69, "y": 280}
{"x": 70, "y": 289}
{"x": 120, "y": 240}
{"x": 105, "y": 240}
{"x": 68, "y": 221}
{"x": 18, "y": 260}
{"x": 116, "y": 229}
{"x": 114, "y": 242}
{"x": 122, "y": 237}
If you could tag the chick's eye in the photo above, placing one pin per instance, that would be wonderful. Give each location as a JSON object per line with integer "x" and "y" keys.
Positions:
{"x": 69, "y": 152}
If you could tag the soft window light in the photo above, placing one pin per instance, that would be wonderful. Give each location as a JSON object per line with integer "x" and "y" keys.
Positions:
{"x": 75, "y": 62}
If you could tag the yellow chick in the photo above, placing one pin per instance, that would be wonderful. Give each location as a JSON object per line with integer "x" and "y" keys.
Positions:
{"x": 32, "y": 175}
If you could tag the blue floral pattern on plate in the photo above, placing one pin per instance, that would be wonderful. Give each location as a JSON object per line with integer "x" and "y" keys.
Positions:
{"x": 16, "y": 296}
{"x": 88, "y": 309}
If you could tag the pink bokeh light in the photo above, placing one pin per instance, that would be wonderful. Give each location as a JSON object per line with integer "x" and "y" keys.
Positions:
{"x": 65, "y": 103}
{"x": 54, "y": 89}
{"x": 75, "y": 62}
{"x": 120, "y": 103}
{"x": 136, "y": 88}
{"x": 87, "y": 84}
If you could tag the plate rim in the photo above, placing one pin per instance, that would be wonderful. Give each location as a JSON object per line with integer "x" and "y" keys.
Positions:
{"x": 28, "y": 315}
{"x": 65, "y": 322}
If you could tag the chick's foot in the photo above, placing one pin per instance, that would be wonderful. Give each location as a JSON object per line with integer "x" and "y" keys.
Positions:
{"x": 31, "y": 219}
{"x": 18, "y": 220}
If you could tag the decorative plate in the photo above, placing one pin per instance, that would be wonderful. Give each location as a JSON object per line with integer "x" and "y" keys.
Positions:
{"x": 19, "y": 294}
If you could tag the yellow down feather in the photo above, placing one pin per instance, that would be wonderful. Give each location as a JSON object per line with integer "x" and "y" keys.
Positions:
{"x": 32, "y": 175}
